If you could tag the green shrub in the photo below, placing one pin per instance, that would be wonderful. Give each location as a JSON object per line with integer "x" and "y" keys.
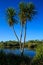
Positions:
{"x": 38, "y": 59}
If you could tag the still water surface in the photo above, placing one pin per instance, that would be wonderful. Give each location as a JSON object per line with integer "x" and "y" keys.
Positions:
{"x": 27, "y": 52}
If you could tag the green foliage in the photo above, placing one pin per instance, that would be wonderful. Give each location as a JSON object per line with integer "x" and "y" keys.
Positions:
{"x": 38, "y": 59}
{"x": 26, "y": 11}
{"x": 9, "y": 44}
{"x": 28, "y": 44}
{"x": 11, "y": 13}
{"x": 11, "y": 59}
{"x": 39, "y": 51}
{"x": 22, "y": 6}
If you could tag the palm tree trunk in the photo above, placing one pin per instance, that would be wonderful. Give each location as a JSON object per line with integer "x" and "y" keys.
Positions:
{"x": 21, "y": 37}
{"x": 15, "y": 34}
{"x": 24, "y": 37}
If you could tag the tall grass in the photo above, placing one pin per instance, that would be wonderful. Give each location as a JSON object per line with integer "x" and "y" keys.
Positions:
{"x": 11, "y": 59}
{"x": 38, "y": 59}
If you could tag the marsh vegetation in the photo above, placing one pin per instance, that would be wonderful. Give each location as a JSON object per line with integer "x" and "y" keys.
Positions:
{"x": 10, "y": 58}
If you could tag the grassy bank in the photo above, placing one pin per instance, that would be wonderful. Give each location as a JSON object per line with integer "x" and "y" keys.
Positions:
{"x": 38, "y": 59}
{"x": 11, "y": 59}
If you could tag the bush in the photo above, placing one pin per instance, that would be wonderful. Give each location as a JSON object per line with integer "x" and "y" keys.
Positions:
{"x": 38, "y": 59}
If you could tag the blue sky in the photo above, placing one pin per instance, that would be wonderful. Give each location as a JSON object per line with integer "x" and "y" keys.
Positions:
{"x": 34, "y": 28}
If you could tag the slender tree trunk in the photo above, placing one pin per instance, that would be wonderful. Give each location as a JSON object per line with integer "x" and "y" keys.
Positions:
{"x": 24, "y": 37}
{"x": 15, "y": 34}
{"x": 21, "y": 37}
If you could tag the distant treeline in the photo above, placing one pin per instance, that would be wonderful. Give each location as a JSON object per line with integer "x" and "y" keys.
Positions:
{"x": 15, "y": 44}
{"x": 32, "y": 41}
{"x": 35, "y": 41}
{"x": 9, "y": 44}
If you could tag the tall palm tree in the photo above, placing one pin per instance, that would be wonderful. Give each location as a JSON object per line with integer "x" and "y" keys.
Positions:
{"x": 30, "y": 13}
{"x": 22, "y": 19}
{"x": 27, "y": 11}
{"x": 11, "y": 19}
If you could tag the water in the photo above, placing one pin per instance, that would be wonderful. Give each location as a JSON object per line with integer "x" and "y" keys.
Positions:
{"x": 27, "y": 52}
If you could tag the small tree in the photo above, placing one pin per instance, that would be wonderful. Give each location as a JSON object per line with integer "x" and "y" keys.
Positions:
{"x": 27, "y": 11}
{"x": 11, "y": 19}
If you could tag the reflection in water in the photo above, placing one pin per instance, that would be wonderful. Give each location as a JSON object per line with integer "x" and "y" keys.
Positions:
{"x": 27, "y": 52}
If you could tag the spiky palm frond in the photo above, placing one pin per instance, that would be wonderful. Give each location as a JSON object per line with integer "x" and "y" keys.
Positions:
{"x": 10, "y": 16}
{"x": 11, "y": 19}
{"x": 31, "y": 10}
{"x": 22, "y": 6}
{"x": 22, "y": 17}
{"x": 27, "y": 11}
{"x": 11, "y": 12}
{"x": 22, "y": 14}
